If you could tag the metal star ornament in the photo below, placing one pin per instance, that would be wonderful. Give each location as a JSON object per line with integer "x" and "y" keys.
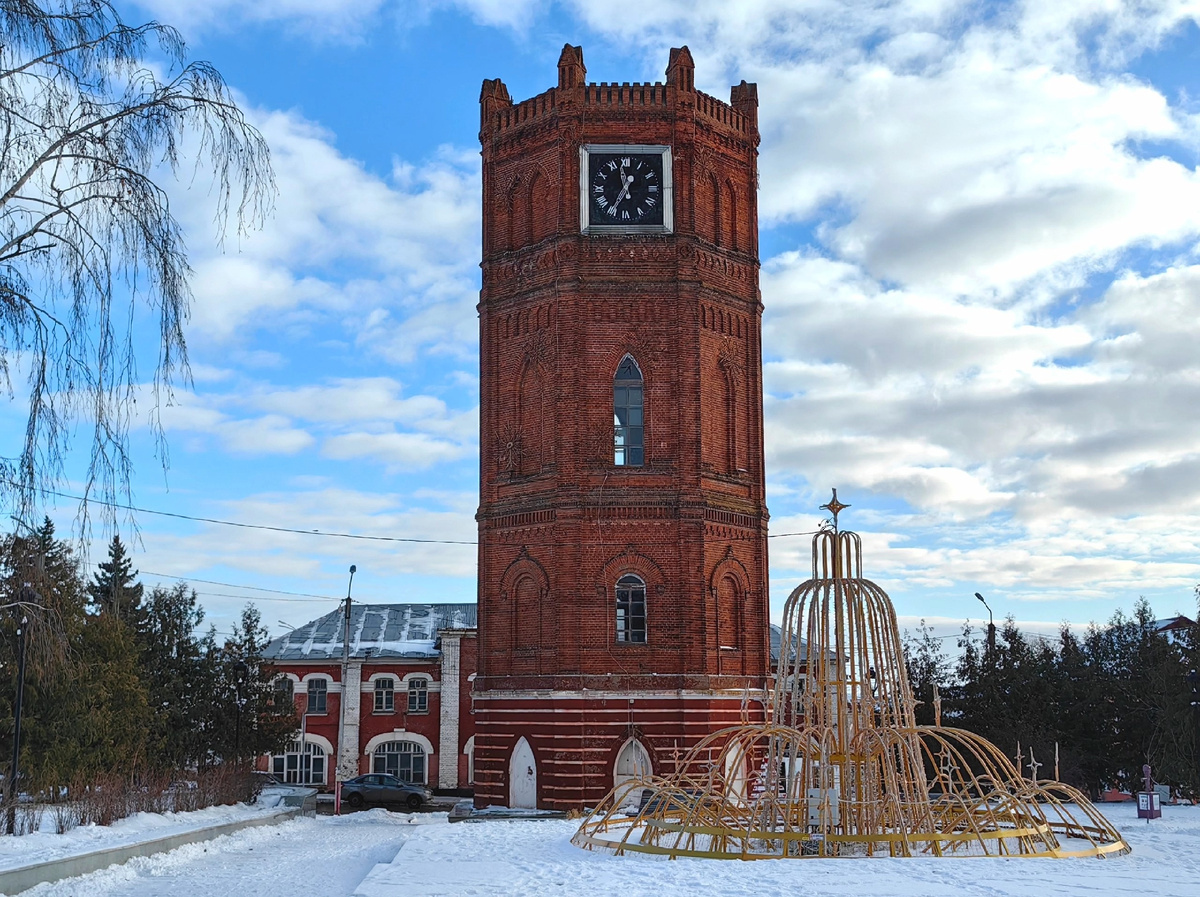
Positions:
{"x": 834, "y": 507}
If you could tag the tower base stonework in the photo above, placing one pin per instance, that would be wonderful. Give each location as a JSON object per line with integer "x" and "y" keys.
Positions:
{"x": 577, "y": 735}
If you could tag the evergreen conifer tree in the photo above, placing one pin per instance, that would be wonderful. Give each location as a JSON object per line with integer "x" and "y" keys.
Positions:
{"x": 115, "y": 589}
{"x": 85, "y": 707}
{"x": 176, "y": 669}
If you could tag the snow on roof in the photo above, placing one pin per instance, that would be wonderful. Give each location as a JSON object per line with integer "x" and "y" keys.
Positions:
{"x": 376, "y": 630}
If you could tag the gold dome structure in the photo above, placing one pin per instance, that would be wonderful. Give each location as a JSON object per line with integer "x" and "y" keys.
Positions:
{"x": 841, "y": 769}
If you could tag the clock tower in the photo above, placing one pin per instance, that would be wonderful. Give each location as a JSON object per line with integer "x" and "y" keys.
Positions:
{"x": 623, "y": 608}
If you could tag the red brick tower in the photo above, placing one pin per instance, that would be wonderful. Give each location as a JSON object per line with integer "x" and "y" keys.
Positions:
{"x": 622, "y": 516}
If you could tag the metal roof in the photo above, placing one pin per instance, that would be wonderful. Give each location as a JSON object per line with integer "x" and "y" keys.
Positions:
{"x": 376, "y": 631}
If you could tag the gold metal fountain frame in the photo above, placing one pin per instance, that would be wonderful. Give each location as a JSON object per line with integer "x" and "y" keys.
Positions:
{"x": 841, "y": 769}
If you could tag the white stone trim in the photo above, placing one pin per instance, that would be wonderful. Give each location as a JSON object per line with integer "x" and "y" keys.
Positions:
{"x": 592, "y": 695}
{"x": 399, "y": 735}
{"x": 431, "y": 683}
{"x": 319, "y": 740}
{"x": 381, "y": 675}
{"x": 448, "y": 713}
{"x": 332, "y": 686}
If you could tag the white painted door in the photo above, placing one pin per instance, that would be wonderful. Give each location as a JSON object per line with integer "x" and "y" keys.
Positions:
{"x": 522, "y": 777}
{"x": 632, "y": 763}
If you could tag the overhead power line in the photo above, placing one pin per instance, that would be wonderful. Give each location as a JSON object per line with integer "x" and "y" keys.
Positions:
{"x": 262, "y": 526}
{"x": 234, "y": 585}
{"x": 303, "y": 532}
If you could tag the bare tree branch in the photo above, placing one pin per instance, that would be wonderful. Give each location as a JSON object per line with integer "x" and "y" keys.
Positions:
{"x": 88, "y": 239}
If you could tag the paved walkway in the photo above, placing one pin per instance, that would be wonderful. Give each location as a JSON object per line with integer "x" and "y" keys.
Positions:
{"x": 322, "y": 856}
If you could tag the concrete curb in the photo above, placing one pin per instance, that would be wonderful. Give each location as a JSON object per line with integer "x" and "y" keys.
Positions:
{"x": 14, "y": 881}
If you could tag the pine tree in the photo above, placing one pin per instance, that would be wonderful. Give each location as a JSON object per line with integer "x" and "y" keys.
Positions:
{"x": 175, "y": 666}
{"x": 265, "y": 727}
{"x": 114, "y": 589}
{"x": 85, "y": 707}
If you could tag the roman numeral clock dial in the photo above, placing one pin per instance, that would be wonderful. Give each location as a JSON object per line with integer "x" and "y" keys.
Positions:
{"x": 625, "y": 189}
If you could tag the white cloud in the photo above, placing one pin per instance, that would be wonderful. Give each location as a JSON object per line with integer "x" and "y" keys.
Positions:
{"x": 399, "y": 451}
{"x": 389, "y": 264}
{"x": 358, "y": 419}
{"x": 315, "y": 563}
{"x": 270, "y": 434}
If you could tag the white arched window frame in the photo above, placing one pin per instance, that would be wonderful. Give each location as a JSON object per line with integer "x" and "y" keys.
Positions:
{"x": 303, "y": 764}
{"x": 405, "y": 755}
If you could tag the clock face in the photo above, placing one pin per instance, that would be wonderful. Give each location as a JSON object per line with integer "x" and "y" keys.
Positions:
{"x": 626, "y": 189}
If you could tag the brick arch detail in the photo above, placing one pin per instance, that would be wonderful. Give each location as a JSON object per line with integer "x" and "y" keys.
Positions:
{"x": 531, "y": 418}
{"x": 519, "y": 199}
{"x": 524, "y": 565}
{"x": 632, "y": 561}
{"x": 730, "y": 565}
{"x": 730, "y": 213}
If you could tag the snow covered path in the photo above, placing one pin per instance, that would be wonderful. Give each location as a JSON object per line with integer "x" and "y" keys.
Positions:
{"x": 323, "y": 857}
{"x": 536, "y": 859}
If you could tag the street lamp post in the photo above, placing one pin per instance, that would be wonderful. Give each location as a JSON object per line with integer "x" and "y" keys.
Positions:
{"x": 991, "y": 636}
{"x": 13, "y": 788}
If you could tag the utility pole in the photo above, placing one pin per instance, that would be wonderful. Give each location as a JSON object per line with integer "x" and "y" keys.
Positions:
{"x": 342, "y": 762}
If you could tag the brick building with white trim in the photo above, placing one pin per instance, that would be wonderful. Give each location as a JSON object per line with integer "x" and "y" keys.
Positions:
{"x": 406, "y": 693}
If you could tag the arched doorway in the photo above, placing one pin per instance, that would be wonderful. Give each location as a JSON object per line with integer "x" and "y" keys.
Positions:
{"x": 522, "y": 777}
{"x": 633, "y": 762}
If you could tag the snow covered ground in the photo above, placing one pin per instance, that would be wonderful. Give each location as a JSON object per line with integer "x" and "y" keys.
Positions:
{"x": 381, "y": 854}
{"x": 326, "y": 856}
{"x": 506, "y": 859}
{"x": 45, "y": 844}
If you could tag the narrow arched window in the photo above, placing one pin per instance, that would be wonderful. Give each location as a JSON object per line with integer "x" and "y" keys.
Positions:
{"x": 631, "y": 609}
{"x": 628, "y": 417}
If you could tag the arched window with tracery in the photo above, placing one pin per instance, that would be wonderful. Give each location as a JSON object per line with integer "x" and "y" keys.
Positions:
{"x": 300, "y": 764}
{"x": 406, "y": 760}
{"x": 631, "y": 609}
{"x": 628, "y": 415}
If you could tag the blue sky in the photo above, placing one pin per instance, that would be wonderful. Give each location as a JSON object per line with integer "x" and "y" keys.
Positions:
{"x": 980, "y": 274}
